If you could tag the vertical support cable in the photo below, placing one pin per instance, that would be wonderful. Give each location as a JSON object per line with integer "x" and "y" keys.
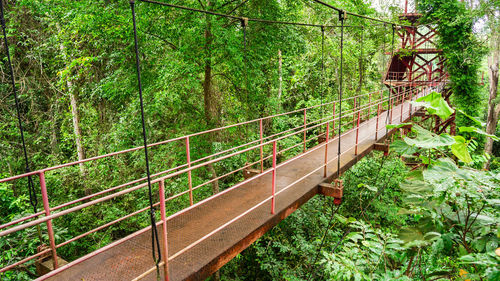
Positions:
{"x": 154, "y": 230}
{"x": 342, "y": 16}
{"x": 390, "y": 89}
{"x": 31, "y": 187}
{"x": 322, "y": 69}
{"x": 244, "y": 24}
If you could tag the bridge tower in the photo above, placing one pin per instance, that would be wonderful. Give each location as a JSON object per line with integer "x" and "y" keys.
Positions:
{"x": 418, "y": 61}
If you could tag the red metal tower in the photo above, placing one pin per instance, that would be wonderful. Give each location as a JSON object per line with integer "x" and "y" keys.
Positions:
{"x": 417, "y": 61}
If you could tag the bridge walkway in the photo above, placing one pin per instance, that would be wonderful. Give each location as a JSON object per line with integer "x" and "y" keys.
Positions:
{"x": 218, "y": 239}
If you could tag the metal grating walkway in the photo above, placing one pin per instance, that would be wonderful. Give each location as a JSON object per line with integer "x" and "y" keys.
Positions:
{"x": 129, "y": 259}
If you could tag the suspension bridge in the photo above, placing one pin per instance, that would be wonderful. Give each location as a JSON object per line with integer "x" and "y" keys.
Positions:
{"x": 193, "y": 243}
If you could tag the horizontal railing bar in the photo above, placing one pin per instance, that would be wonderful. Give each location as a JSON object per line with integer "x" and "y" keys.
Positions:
{"x": 102, "y": 199}
{"x": 366, "y": 106}
{"x": 161, "y": 142}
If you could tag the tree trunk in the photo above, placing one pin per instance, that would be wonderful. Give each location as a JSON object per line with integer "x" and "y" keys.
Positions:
{"x": 75, "y": 114}
{"x": 211, "y": 101}
{"x": 493, "y": 107}
{"x": 209, "y": 96}
{"x": 76, "y": 119}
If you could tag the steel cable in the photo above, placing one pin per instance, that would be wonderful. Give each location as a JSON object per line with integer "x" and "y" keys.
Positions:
{"x": 31, "y": 186}
{"x": 154, "y": 230}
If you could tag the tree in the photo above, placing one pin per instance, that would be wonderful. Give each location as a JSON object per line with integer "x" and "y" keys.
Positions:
{"x": 492, "y": 10}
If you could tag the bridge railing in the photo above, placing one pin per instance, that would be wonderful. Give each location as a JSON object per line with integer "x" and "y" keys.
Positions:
{"x": 427, "y": 77}
{"x": 356, "y": 110}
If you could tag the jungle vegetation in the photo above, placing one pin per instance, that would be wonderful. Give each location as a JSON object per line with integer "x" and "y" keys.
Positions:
{"x": 74, "y": 66}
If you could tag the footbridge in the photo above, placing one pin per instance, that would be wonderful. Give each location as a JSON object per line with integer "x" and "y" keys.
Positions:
{"x": 199, "y": 223}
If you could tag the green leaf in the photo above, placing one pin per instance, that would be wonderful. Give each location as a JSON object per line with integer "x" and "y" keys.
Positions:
{"x": 416, "y": 186}
{"x": 402, "y": 148}
{"x": 427, "y": 139}
{"x": 369, "y": 187}
{"x": 441, "y": 169}
{"x": 459, "y": 149}
{"x": 477, "y": 131}
{"x": 397, "y": 126}
{"x": 476, "y": 120}
{"x": 435, "y": 104}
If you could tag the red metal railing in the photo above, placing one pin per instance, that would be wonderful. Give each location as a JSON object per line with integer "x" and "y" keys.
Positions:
{"x": 361, "y": 109}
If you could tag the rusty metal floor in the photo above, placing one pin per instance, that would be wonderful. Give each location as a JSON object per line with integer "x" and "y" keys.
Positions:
{"x": 133, "y": 257}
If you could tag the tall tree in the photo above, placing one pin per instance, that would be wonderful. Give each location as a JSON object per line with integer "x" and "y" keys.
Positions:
{"x": 492, "y": 13}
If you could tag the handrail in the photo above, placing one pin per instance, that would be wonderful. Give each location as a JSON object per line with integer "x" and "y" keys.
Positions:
{"x": 361, "y": 110}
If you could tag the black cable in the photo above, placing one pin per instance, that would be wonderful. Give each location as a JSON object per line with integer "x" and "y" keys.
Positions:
{"x": 353, "y": 14}
{"x": 31, "y": 186}
{"x": 154, "y": 230}
{"x": 322, "y": 70}
{"x": 389, "y": 105}
{"x": 341, "y": 18}
{"x": 237, "y": 17}
{"x": 323, "y": 239}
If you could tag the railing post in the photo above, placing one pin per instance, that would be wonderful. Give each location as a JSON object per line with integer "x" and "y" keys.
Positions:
{"x": 326, "y": 147}
{"x": 357, "y": 135}
{"x": 50, "y": 230}
{"x": 163, "y": 214}
{"x": 305, "y": 128}
{"x": 402, "y": 106}
{"x": 369, "y": 105}
{"x": 273, "y": 200}
{"x": 353, "y": 114}
{"x": 391, "y": 109}
{"x": 411, "y": 99}
{"x": 333, "y": 120}
{"x": 378, "y": 115}
{"x": 382, "y": 98}
{"x": 261, "y": 148}
{"x": 190, "y": 181}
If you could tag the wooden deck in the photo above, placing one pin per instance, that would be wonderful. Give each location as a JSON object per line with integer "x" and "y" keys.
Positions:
{"x": 131, "y": 258}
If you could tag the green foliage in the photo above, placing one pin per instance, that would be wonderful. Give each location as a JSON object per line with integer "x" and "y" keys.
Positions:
{"x": 435, "y": 105}
{"x": 461, "y": 48}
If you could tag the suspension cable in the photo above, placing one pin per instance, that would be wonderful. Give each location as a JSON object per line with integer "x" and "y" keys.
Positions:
{"x": 390, "y": 104}
{"x": 154, "y": 230}
{"x": 238, "y": 17}
{"x": 353, "y": 14}
{"x": 244, "y": 24}
{"x": 31, "y": 186}
{"x": 322, "y": 68}
{"x": 342, "y": 16}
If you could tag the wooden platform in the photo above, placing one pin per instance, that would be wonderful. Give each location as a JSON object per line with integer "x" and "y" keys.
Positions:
{"x": 131, "y": 258}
